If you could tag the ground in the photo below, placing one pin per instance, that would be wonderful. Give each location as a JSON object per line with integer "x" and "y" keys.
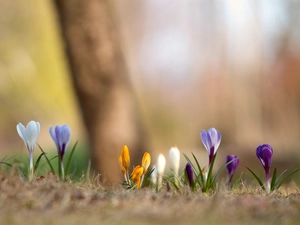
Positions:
{"x": 50, "y": 201}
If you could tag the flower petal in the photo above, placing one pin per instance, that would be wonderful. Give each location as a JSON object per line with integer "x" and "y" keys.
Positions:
{"x": 215, "y": 137}
{"x": 32, "y": 132}
{"x": 161, "y": 164}
{"x": 21, "y": 131}
{"x": 206, "y": 140}
{"x": 146, "y": 160}
{"x": 53, "y": 135}
{"x": 65, "y": 134}
{"x": 174, "y": 154}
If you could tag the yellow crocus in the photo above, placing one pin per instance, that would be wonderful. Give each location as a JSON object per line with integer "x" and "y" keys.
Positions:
{"x": 136, "y": 175}
{"x": 125, "y": 157}
{"x": 146, "y": 161}
{"x": 121, "y": 164}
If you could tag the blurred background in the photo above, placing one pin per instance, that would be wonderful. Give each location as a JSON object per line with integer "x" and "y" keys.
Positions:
{"x": 233, "y": 65}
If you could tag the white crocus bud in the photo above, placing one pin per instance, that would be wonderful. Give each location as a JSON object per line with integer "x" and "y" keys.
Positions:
{"x": 174, "y": 154}
{"x": 160, "y": 166}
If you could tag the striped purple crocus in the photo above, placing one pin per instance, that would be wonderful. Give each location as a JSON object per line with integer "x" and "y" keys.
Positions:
{"x": 61, "y": 136}
{"x": 231, "y": 167}
{"x": 264, "y": 153}
{"x": 211, "y": 141}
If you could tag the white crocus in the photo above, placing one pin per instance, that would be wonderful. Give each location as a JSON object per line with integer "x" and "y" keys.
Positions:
{"x": 29, "y": 135}
{"x": 160, "y": 166}
{"x": 174, "y": 154}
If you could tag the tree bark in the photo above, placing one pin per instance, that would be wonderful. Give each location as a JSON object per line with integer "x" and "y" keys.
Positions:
{"x": 101, "y": 82}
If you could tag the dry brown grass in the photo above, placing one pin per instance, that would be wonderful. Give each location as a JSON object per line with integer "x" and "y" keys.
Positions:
{"x": 49, "y": 201}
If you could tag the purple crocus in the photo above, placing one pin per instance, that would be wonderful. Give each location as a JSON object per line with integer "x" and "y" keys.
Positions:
{"x": 61, "y": 136}
{"x": 231, "y": 167}
{"x": 264, "y": 153}
{"x": 211, "y": 140}
{"x": 190, "y": 174}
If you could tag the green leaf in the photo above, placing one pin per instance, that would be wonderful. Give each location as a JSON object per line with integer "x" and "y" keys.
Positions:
{"x": 176, "y": 178}
{"x": 209, "y": 181}
{"x": 38, "y": 162}
{"x": 70, "y": 158}
{"x": 278, "y": 178}
{"x": 51, "y": 167}
{"x": 146, "y": 177}
{"x": 195, "y": 171}
{"x": 237, "y": 180}
{"x": 199, "y": 167}
{"x": 49, "y": 160}
{"x": 6, "y": 164}
{"x": 287, "y": 178}
{"x": 273, "y": 180}
{"x": 217, "y": 173}
{"x": 258, "y": 180}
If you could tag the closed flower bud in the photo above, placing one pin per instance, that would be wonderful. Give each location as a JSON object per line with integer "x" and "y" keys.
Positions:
{"x": 174, "y": 154}
{"x": 146, "y": 161}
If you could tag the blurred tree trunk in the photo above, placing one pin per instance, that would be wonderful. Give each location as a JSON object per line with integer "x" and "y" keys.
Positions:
{"x": 101, "y": 82}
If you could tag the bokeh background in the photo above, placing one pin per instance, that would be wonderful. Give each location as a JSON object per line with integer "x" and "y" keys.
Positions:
{"x": 233, "y": 65}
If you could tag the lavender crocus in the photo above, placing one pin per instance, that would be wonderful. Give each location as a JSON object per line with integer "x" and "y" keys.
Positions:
{"x": 231, "y": 167}
{"x": 211, "y": 140}
{"x": 190, "y": 174}
{"x": 264, "y": 153}
{"x": 61, "y": 136}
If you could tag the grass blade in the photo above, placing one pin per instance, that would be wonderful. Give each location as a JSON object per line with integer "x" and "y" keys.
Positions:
{"x": 6, "y": 164}
{"x": 258, "y": 180}
{"x": 146, "y": 177}
{"x": 217, "y": 173}
{"x": 278, "y": 178}
{"x": 38, "y": 162}
{"x": 49, "y": 160}
{"x": 51, "y": 167}
{"x": 194, "y": 168}
{"x": 199, "y": 167}
{"x": 209, "y": 175}
{"x": 237, "y": 180}
{"x": 70, "y": 157}
{"x": 287, "y": 178}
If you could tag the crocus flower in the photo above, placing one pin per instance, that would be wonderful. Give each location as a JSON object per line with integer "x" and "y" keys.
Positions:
{"x": 124, "y": 161}
{"x": 146, "y": 160}
{"x": 125, "y": 157}
{"x": 175, "y": 159}
{"x": 264, "y": 153}
{"x": 123, "y": 170}
{"x": 160, "y": 166}
{"x": 231, "y": 167}
{"x": 61, "y": 136}
{"x": 29, "y": 135}
{"x": 211, "y": 140}
{"x": 136, "y": 175}
{"x": 190, "y": 174}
